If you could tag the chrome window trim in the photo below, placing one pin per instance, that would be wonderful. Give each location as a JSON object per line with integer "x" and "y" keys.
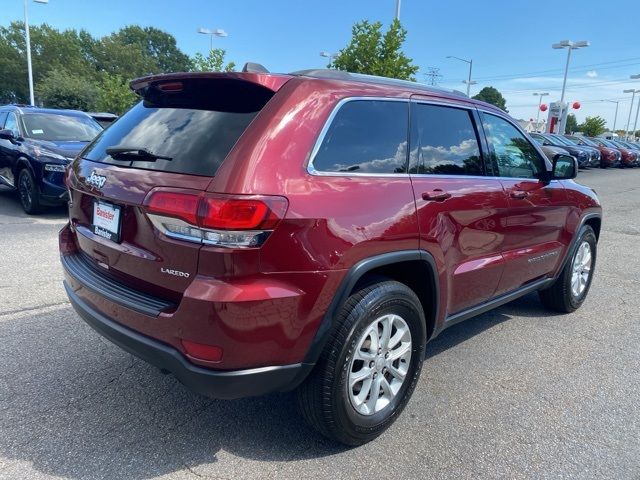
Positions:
{"x": 311, "y": 170}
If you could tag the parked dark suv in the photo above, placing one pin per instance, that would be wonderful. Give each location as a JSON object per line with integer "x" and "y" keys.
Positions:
{"x": 36, "y": 145}
{"x": 255, "y": 232}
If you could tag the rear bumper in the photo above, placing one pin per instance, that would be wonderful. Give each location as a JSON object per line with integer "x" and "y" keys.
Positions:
{"x": 215, "y": 384}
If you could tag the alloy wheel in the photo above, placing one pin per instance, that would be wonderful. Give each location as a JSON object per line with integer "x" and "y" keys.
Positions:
{"x": 581, "y": 269}
{"x": 25, "y": 187}
{"x": 379, "y": 365}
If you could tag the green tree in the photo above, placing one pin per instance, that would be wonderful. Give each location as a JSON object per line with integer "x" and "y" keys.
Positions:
{"x": 593, "y": 126}
{"x": 572, "y": 124}
{"x": 130, "y": 52}
{"x": 114, "y": 95}
{"x": 51, "y": 49}
{"x": 60, "y": 89}
{"x": 493, "y": 96}
{"x": 158, "y": 47}
{"x": 214, "y": 62}
{"x": 374, "y": 53}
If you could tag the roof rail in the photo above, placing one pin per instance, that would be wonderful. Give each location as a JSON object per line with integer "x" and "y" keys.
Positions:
{"x": 374, "y": 79}
{"x": 324, "y": 73}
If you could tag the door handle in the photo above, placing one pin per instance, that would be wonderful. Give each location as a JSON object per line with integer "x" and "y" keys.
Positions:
{"x": 436, "y": 195}
{"x": 519, "y": 194}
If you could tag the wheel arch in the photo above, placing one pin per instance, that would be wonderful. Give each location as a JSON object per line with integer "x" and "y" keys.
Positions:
{"x": 21, "y": 163}
{"x": 594, "y": 220}
{"x": 406, "y": 266}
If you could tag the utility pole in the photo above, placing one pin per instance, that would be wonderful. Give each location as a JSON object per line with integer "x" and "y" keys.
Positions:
{"x": 398, "y": 10}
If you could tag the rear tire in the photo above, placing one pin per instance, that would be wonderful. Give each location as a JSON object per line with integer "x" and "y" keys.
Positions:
{"x": 570, "y": 289}
{"x": 377, "y": 344}
{"x": 28, "y": 192}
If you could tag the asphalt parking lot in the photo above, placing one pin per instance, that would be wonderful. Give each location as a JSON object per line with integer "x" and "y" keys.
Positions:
{"x": 515, "y": 393}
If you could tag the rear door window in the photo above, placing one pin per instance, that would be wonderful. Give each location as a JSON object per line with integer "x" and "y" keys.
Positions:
{"x": 444, "y": 141}
{"x": 193, "y": 130}
{"x": 366, "y": 136}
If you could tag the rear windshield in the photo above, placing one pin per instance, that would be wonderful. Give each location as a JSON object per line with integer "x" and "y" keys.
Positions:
{"x": 194, "y": 129}
{"x": 56, "y": 127}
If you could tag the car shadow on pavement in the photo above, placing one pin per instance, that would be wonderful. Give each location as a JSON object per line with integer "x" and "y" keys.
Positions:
{"x": 76, "y": 406}
{"x": 527, "y": 306}
{"x": 10, "y": 207}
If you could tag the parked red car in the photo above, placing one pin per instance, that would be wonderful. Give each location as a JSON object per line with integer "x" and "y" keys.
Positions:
{"x": 634, "y": 147}
{"x": 627, "y": 156}
{"x": 254, "y": 232}
{"x": 609, "y": 157}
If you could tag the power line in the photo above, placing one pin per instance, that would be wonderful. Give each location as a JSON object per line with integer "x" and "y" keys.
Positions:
{"x": 559, "y": 70}
{"x": 585, "y": 102}
{"x": 573, "y": 86}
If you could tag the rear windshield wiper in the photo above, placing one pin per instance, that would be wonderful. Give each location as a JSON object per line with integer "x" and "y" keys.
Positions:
{"x": 135, "y": 154}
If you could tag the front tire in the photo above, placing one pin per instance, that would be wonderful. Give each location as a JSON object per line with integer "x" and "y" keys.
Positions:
{"x": 369, "y": 367}
{"x": 569, "y": 291}
{"x": 28, "y": 192}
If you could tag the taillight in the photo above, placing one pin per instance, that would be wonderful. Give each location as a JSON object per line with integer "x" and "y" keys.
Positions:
{"x": 225, "y": 213}
{"x": 179, "y": 205}
{"x": 213, "y": 219}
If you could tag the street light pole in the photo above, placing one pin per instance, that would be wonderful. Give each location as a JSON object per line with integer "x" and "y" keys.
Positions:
{"x": 635, "y": 125}
{"x": 27, "y": 36}
{"x": 218, "y": 32}
{"x": 398, "y": 10}
{"x": 544, "y": 94}
{"x": 566, "y": 72}
{"x": 615, "y": 117}
{"x": 329, "y": 55}
{"x": 28, "y": 40}
{"x": 569, "y": 45}
{"x": 469, "y": 82}
{"x": 633, "y": 97}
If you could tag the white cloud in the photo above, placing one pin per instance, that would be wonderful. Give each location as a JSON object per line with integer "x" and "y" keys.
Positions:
{"x": 592, "y": 74}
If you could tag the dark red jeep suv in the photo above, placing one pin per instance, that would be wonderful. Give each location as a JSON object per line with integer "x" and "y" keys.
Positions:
{"x": 254, "y": 232}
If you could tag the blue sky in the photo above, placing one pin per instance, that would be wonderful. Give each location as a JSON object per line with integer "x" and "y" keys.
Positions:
{"x": 509, "y": 41}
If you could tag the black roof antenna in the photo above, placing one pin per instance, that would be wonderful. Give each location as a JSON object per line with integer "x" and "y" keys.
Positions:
{"x": 251, "y": 67}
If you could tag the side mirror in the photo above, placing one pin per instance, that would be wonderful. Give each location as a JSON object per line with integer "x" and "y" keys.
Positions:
{"x": 6, "y": 134}
{"x": 565, "y": 167}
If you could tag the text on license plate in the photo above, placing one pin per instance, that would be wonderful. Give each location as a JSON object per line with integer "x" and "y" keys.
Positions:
{"x": 106, "y": 220}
